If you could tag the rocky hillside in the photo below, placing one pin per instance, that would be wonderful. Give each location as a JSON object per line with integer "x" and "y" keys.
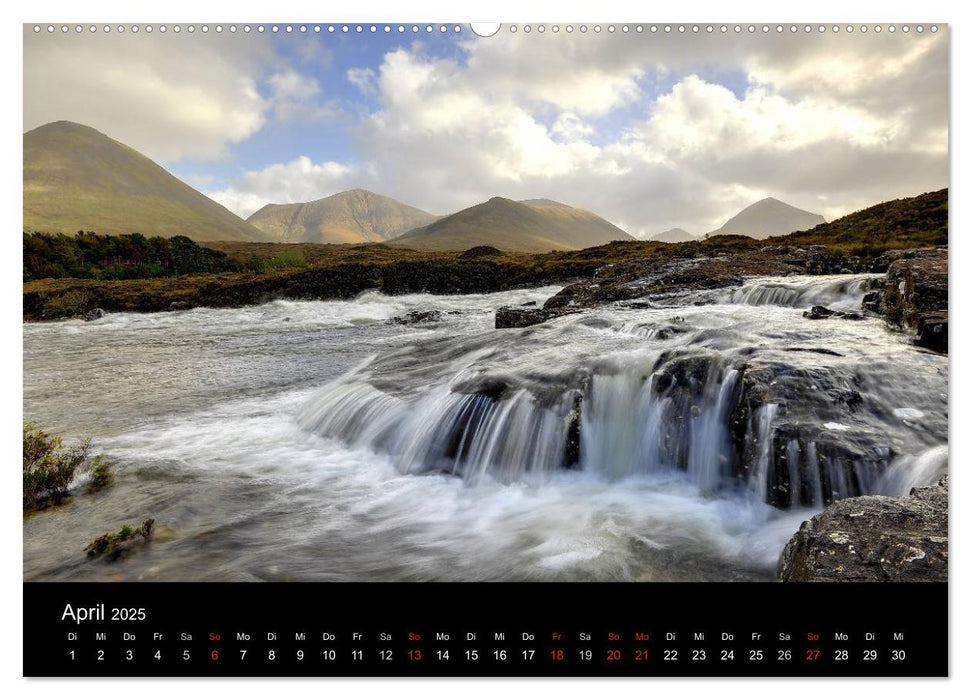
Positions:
{"x": 912, "y": 222}
{"x": 76, "y": 178}
{"x": 355, "y": 216}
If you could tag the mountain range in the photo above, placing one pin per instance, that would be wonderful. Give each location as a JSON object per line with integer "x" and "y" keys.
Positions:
{"x": 76, "y": 178}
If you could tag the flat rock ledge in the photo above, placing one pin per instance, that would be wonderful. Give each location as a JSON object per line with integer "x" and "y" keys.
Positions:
{"x": 873, "y": 538}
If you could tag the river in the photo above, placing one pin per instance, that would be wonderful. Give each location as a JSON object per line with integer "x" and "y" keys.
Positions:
{"x": 314, "y": 440}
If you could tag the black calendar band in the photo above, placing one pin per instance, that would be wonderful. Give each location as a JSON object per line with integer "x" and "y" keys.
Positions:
{"x": 485, "y": 629}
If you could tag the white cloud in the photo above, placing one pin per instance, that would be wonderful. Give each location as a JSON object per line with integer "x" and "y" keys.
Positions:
{"x": 296, "y": 98}
{"x": 170, "y": 96}
{"x": 363, "y": 79}
{"x": 152, "y": 95}
{"x": 300, "y": 180}
{"x": 698, "y": 118}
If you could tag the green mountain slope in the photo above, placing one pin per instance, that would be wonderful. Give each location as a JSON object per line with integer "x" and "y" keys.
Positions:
{"x": 530, "y": 226}
{"x": 76, "y": 178}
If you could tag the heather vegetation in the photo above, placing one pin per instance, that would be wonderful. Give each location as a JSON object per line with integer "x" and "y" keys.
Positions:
{"x": 913, "y": 222}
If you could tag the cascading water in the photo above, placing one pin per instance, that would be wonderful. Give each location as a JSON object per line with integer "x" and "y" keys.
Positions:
{"x": 646, "y": 412}
{"x": 835, "y": 290}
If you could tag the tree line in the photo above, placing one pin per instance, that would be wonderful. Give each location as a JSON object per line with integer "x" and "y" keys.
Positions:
{"x": 90, "y": 255}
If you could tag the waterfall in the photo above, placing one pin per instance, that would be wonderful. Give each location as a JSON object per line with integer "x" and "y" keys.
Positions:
{"x": 710, "y": 456}
{"x": 626, "y": 423}
{"x": 764, "y": 442}
{"x": 914, "y": 471}
{"x": 685, "y": 412}
{"x": 825, "y": 291}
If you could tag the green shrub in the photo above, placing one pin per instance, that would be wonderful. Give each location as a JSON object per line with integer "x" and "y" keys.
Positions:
{"x": 115, "y": 544}
{"x": 73, "y": 303}
{"x": 288, "y": 258}
{"x": 101, "y": 477}
{"x": 49, "y": 467}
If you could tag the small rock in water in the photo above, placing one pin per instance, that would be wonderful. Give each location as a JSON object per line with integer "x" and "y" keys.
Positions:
{"x": 932, "y": 332}
{"x": 413, "y": 317}
{"x": 94, "y": 314}
{"x": 820, "y": 312}
{"x": 508, "y": 317}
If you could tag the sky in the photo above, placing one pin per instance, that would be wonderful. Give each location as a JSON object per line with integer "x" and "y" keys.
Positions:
{"x": 649, "y": 130}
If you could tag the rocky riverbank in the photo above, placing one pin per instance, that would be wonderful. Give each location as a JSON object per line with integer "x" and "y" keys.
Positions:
{"x": 873, "y": 538}
{"x": 643, "y": 281}
{"x": 913, "y": 297}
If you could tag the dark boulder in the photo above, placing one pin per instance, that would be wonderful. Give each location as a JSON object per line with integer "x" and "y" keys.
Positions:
{"x": 820, "y": 312}
{"x": 871, "y": 301}
{"x": 510, "y": 317}
{"x": 873, "y": 538}
{"x": 179, "y": 305}
{"x": 932, "y": 332}
{"x": 94, "y": 314}
{"x": 413, "y": 317}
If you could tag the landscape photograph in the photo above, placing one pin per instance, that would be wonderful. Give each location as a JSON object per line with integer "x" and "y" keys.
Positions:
{"x": 563, "y": 303}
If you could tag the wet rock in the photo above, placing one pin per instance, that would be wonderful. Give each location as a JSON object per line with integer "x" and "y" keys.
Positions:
{"x": 799, "y": 433}
{"x": 818, "y": 351}
{"x": 916, "y": 285}
{"x": 510, "y": 317}
{"x": 571, "y": 454}
{"x": 179, "y": 305}
{"x": 529, "y": 303}
{"x": 94, "y": 314}
{"x": 873, "y": 538}
{"x": 871, "y": 301}
{"x": 821, "y": 312}
{"x": 414, "y": 317}
{"x": 818, "y": 312}
{"x": 932, "y": 332}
